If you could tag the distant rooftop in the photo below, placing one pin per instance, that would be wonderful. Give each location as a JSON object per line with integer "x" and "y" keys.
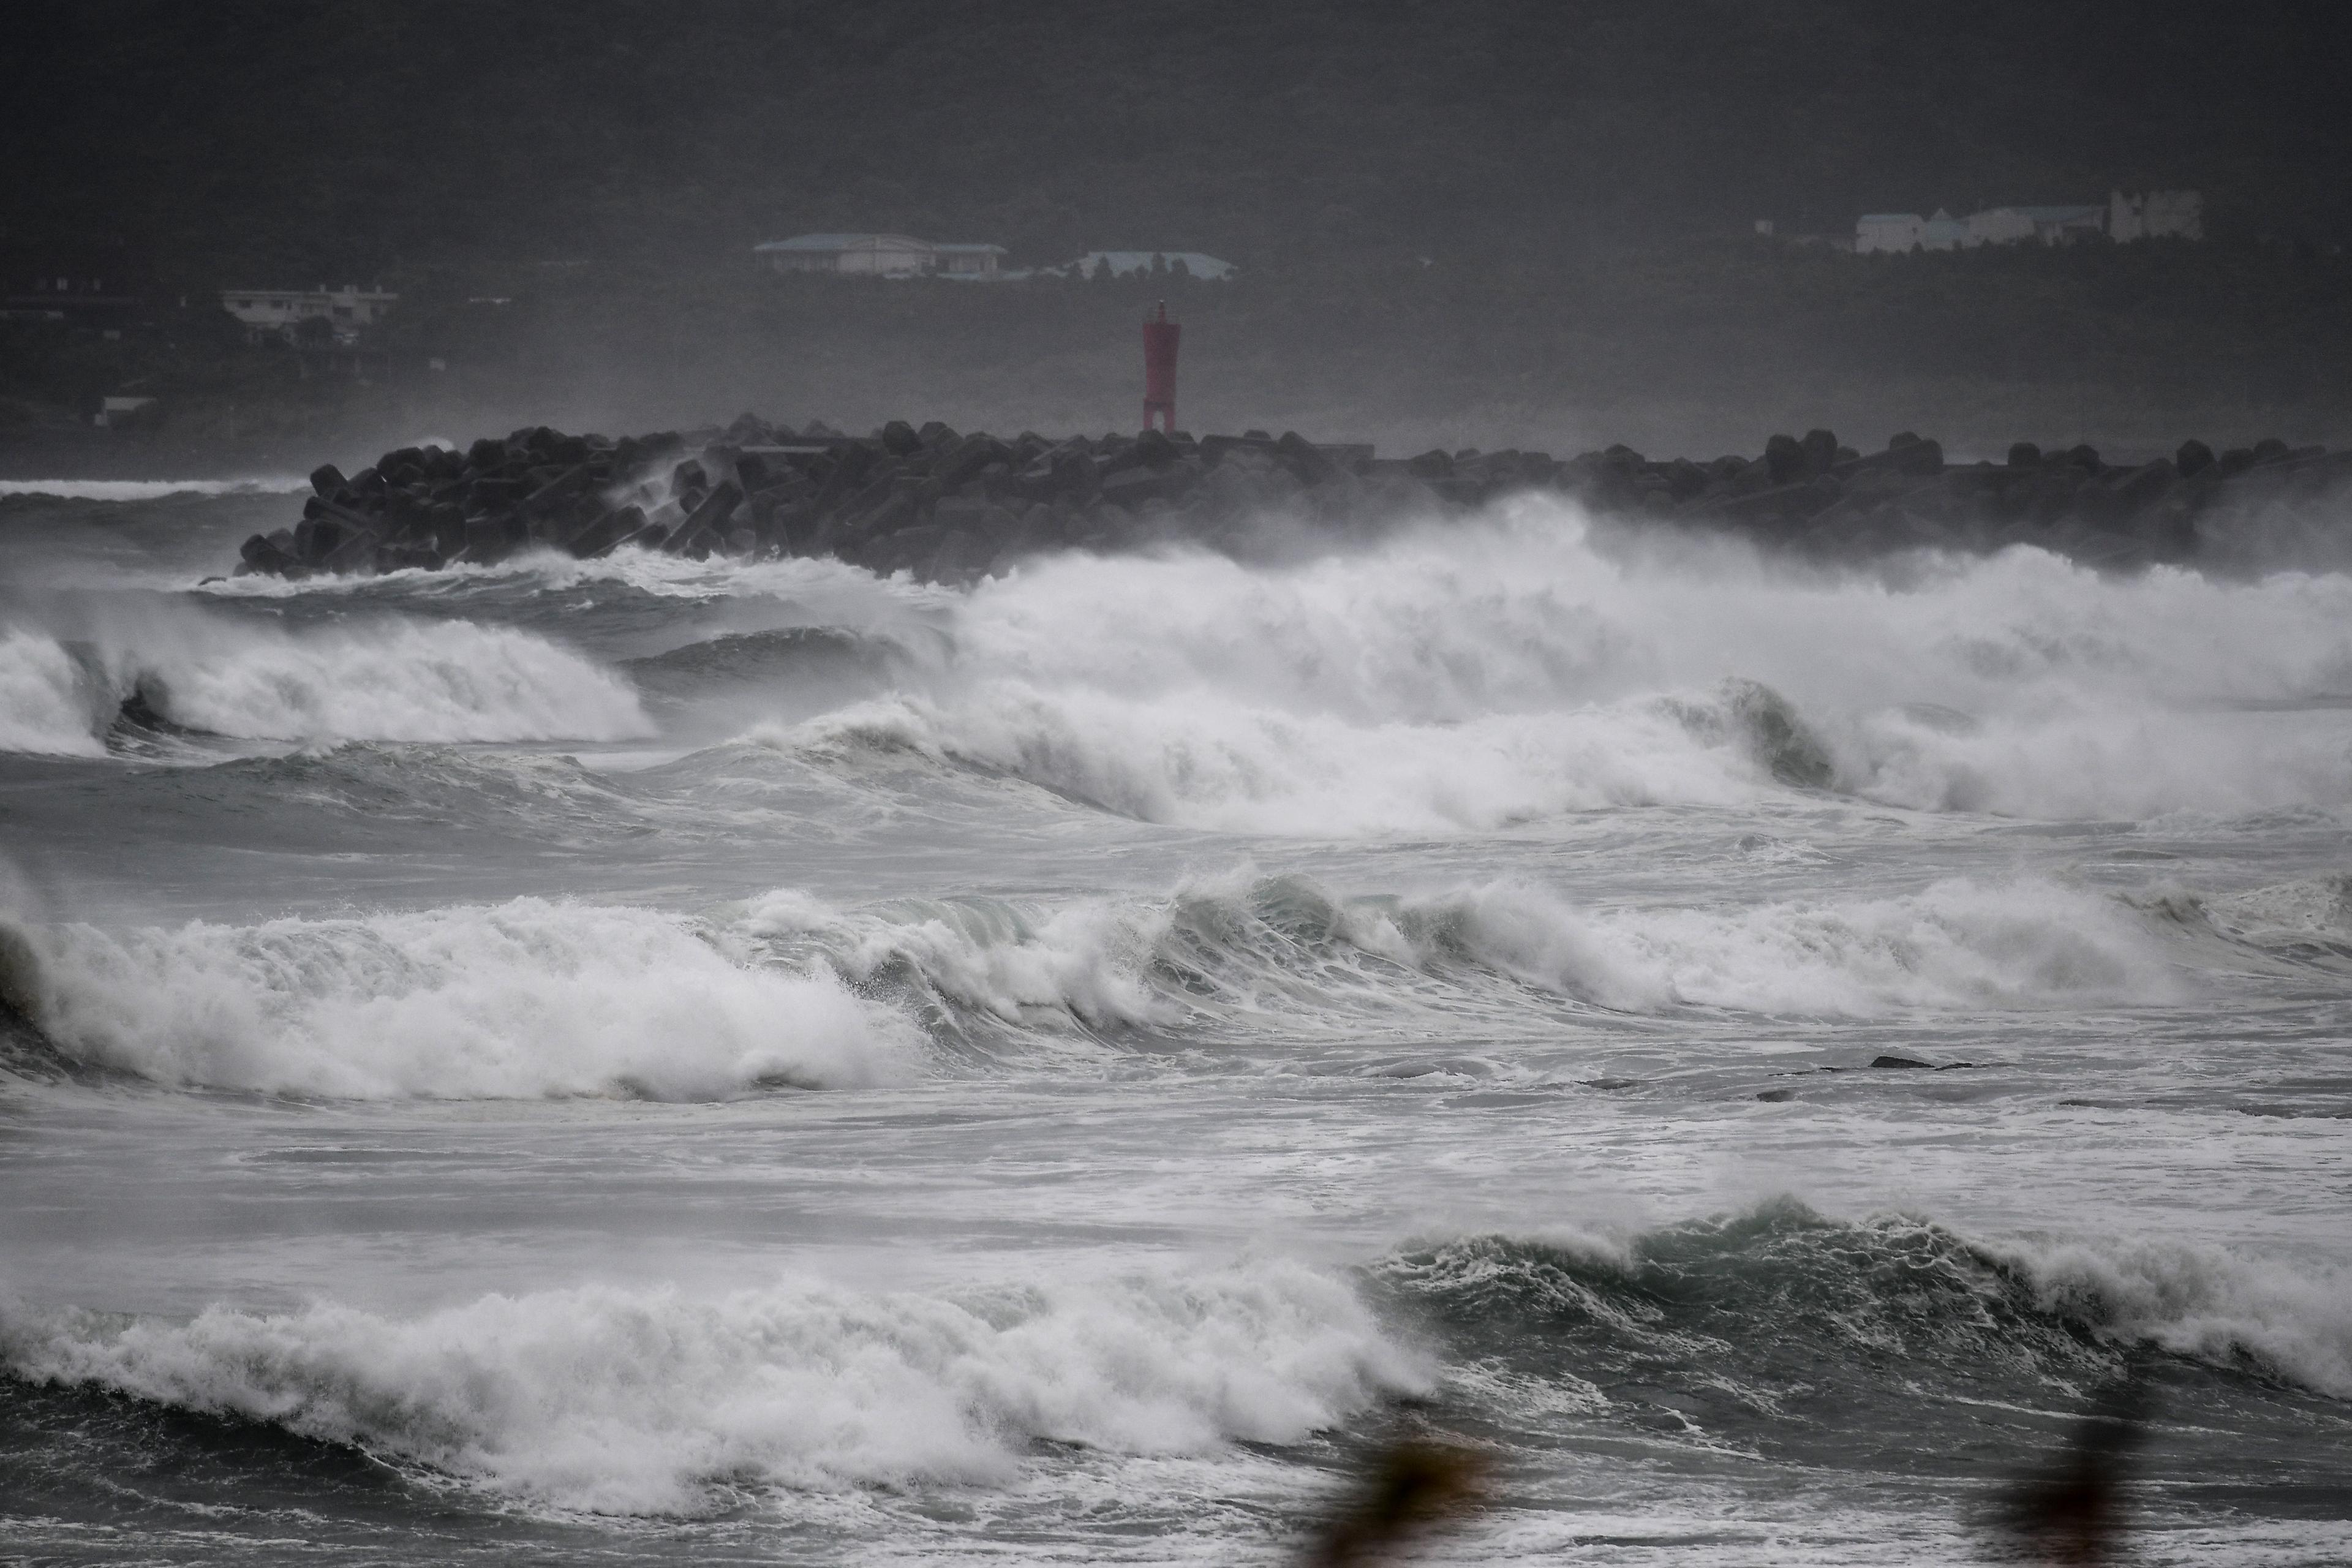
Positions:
{"x": 823, "y": 242}
{"x": 1124, "y": 262}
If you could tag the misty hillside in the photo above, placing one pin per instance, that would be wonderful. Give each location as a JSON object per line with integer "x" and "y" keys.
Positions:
{"x": 358, "y": 138}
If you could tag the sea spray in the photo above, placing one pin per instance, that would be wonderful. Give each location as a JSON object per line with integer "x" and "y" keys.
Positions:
{"x": 50, "y": 702}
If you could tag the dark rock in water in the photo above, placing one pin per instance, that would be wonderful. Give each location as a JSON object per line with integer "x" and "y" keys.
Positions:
{"x": 713, "y": 510}
{"x": 1780, "y": 740}
{"x": 259, "y": 553}
{"x": 355, "y": 553}
{"x": 602, "y": 536}
{"x": 955, "y": 506}
{"x": 1299, "y": 456}
{"x": 1777, "y": 1096}
{"x": 316, "y": 538}
{"x": 1821, "y": 451}
{"x": 490, "y": 539}
{"x": 1432, "y": 465}
{"x": 1890, "y": 1061}
{"x": 1917, "y": 456}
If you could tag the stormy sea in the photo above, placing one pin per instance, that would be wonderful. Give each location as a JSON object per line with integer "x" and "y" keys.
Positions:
{"x": 649, "y": 1060}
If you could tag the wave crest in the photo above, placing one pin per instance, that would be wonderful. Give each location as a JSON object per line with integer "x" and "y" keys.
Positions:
{"x": 388, "y": 680}
{"x": 1782, "y": 1291}
{"x": 656, "y": 1402}
{"x": 523, "y": 999}
{"x": 1242, "y": 949}
{"x": 1517, "y": 667}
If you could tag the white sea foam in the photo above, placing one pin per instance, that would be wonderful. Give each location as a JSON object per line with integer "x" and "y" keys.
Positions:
{"x": 1519, "y": 666}
{"x": 151, "y": 489}
{"x": 2315, "y": 910}
{"x": 830, "y": 590}
{"x": 391, "y": 679}
{"x": 522, "y": 999}
{"x": 642, "y": 1401}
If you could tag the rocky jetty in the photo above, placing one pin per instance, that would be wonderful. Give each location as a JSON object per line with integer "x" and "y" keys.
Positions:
{"x": 951, "y": 506}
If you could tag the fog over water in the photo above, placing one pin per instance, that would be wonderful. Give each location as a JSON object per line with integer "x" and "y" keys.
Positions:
{"x": 646, "y": 1058}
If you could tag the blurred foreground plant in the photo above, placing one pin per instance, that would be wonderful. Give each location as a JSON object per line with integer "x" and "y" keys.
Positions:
{"x": 1406, "y": 1489}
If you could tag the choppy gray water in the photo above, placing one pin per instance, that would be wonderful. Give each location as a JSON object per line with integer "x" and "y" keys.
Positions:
{"x": 654, "y": 1060}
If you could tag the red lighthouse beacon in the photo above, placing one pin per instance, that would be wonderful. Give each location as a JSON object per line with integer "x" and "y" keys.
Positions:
{"x": 1160, "y": 368}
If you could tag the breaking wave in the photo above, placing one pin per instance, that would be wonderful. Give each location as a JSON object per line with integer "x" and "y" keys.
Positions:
{"x": 50, "y": 702}
{"x": 1241, "y": 947}
{"x": 523, "y": 999}
{"x": 387, "y": 681}
{"x": 534, "y": 998}
{"x": 1521, "y": 666}
{"x": 1746, "y": 1305}
{"x": 648, "y": 1402}
{"x": 1775, "y": 1330}
{"x": 1198, "y": 761}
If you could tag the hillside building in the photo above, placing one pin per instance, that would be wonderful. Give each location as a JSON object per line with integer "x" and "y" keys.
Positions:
{"x": 1943, "y": 232}
{"x": 2159, "y": 215}
{"x": 127, "y": 412}
{"x": 880, "y": 256}
{"x": 2050, "y": 225}
{"x": 77, "y": 301}
{"x": 2175, "y": 213}
{"x": 1128, "y": 263}
{"x": 968, "y": 260}
{"x": 1888, "y": 232}
{"x": 281, "y": 312}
